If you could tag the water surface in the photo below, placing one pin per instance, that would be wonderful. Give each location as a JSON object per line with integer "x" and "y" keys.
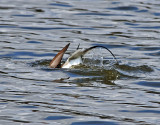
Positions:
{"x": 33, "y": 31}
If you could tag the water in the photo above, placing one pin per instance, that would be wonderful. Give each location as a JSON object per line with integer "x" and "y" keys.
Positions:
{"x": 33, "y": 31}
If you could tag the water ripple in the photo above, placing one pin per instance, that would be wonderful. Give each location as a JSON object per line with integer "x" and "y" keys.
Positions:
{"x": 31, "y": 34}
{"x": 58, "y": 117}
{"x": 95, "y": 123}
{"x": 125, "y": 8}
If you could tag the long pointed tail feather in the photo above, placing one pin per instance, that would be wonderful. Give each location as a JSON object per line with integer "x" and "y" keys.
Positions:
{"x": 86, "y": 50}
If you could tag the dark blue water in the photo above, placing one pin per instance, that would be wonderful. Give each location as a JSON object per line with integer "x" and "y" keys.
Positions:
{"x": 33, "y": 31}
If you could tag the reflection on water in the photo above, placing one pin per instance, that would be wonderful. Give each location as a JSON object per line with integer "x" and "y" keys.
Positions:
{"x": 32, "y": 33}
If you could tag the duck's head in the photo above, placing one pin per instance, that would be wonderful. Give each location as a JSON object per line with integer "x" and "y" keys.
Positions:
{"x": 56, "y": 61}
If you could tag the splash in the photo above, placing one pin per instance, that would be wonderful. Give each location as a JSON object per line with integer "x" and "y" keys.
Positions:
{"x": 99, "y": 57}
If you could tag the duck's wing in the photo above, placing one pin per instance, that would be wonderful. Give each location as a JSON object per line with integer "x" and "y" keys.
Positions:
{"x": 56, "y": 61}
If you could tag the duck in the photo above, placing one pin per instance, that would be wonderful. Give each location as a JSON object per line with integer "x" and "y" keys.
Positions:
{"x": 75, "y": 58}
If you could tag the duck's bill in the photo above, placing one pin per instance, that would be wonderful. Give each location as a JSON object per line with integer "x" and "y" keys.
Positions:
{"x": 56, "y": 61}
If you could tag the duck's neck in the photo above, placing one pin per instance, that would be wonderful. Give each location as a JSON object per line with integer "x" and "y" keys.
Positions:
{"x": 72, "y": 62}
